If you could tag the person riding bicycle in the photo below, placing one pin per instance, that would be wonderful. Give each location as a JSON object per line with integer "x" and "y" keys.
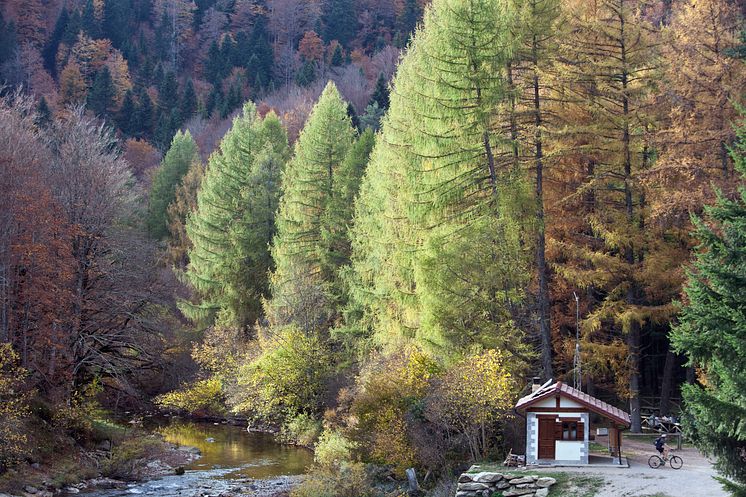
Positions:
{"x": 660, "y": 446}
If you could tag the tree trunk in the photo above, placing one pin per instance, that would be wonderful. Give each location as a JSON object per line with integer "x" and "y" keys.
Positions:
{"x": 541, "y": 262}
{"x": 667, "y": 383}
{"x": 633, "y": 342}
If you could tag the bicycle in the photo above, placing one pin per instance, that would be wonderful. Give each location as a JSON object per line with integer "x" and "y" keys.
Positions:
{"x": 673, "y": 460}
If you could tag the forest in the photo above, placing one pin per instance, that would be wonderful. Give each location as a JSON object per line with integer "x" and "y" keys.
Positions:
{"x": 367, "y": 224}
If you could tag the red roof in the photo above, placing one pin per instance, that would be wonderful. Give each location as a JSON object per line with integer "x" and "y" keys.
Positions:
{"x": 592, "y": 403}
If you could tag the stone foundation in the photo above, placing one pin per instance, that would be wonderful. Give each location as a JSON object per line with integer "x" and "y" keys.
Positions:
{"x": 489, "y": 484}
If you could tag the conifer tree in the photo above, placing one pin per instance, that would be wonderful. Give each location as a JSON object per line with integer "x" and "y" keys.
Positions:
{"x": 234, "y": 223}
{"x": 712, "y": 332}
{"x": 308, "y": 233}
{"x": 53, "y": 43}
{"x": 380, "y": 94}
{"x": 609, "y": 65}
{"x": 188, "y": 106}
{"x": 127, "y": 115}
{"x": 337, "y": 17}
{"x": 440, "y": 182}
{"x": 699, "y": 112}
{"x": 101, "y": 97}
{"x": 407, "y": 20}
{"x": 337, "y": 56}
{"x": 43, "y": 113}
{"x": 183, "y": 205}
{"x": 143, "y": 123}
{"x": 168, "y": 93}
{"x": 530, "y": 75}
{"x": 177, "y": 161}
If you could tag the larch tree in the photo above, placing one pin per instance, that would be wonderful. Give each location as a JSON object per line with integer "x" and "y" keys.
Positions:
{"x": 704, "y": 82}
{"x": 167, "y": 178}
{"x": 234, "y": 223}
{"x": 608, "y": 72}
{"x": 309, "y": 233}
{"x": 712, "y": 331}
{"x": 529, "y": 118}
{"x": 440, "y": 231}
{"x": 179, "y": 210}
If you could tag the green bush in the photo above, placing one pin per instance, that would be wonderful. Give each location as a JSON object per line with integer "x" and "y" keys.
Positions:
{"x": 349, "y": 480}
{"x": 333, "y": 449}
{"x": 203, "y": 396}
{"x": 300, "y": 430}
{"x": 127, "y": 457}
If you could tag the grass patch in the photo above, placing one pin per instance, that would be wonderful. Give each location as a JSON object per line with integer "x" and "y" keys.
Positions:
{"x": 575, "y": 485}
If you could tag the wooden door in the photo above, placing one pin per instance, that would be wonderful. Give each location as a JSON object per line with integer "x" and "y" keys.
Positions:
{"x": 546, "y": 438}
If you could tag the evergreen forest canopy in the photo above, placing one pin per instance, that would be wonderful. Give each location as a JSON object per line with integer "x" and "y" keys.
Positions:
{"x": 369, "y": 234}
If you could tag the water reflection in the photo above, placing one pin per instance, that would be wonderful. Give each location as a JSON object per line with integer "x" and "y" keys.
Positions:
{"x": 247, "y": 455}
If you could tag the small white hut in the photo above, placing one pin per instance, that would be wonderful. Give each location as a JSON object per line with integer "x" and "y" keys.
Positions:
{"x": 558, "y": 424}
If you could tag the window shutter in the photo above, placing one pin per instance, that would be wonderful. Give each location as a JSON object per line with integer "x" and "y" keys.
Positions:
{"x": 581, "y": 431}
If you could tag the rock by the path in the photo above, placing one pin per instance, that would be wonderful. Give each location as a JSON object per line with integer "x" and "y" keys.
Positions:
{"x": 542, "y": 492}
{"x": 545, "y": 482}
{"x": 71, "y": 490}
{"x": 515, "y": 492}
{"x": 30, "y": 489}
{"x": 472, "y": 487}
{"x": 524, "y": 479}
{"x": 464, "y": 478}
{"x": 487, "y": 477}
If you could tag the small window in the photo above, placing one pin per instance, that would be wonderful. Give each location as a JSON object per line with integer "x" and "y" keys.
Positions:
{"x": 572, "y": 430}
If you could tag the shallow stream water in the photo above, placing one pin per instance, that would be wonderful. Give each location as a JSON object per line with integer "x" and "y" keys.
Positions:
{"x": 232, "y": 460}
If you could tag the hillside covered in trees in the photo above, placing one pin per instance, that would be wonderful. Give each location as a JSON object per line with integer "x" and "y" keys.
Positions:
{"x": 367, "y": 223}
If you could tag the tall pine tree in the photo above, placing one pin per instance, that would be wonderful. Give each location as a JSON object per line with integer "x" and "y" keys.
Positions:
{"x": 438, "y": 255}
{"x": 309, "y": 232}
{"x": 234, "y": 223}
{"x": 712, "y": 332}
{"x": 177, "y": 161}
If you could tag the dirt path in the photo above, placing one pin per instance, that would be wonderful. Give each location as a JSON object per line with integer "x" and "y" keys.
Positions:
{"x": 694, "y": 479}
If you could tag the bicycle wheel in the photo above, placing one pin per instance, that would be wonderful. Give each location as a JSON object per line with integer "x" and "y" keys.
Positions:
{"x": 655, "y": 462}
{"x": 676, "y": 462}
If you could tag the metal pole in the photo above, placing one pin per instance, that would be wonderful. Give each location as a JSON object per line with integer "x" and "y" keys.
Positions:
{"x": 578, "y": 373}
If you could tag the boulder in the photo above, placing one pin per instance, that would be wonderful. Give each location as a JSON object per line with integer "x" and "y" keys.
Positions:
{"x": 502, "y": 485}
{"x": 542, "y": 492}
{"x": 30, "y": 489}
{"x": 515, "y": 492}
{"x": 472, "y": 487}
{"x": 527, "y": 485}
{"x": 524, "y": 479}
{"x": 72, "y": 490}
{"x": 464, "y": 478}
{"x": 545, "y": 482}
{"x": 465, "y": 494}
{"x": 487, "y": 477}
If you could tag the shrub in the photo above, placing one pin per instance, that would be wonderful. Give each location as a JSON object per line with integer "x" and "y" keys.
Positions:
{"x": 127, "y": 457}
{"x": 333, "y": 449}
{"x": 203, "y": 396}
{"x": 300, "y": 430}
{"x": 287, "y": 377}
{"x": 390, "y": 393}
{"x": 349, "y": 480}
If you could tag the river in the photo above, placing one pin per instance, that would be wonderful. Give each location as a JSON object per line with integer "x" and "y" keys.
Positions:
{"x": 232, "y": 461}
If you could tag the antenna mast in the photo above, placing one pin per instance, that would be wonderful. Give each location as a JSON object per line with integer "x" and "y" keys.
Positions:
{"x": 577, "y": 376}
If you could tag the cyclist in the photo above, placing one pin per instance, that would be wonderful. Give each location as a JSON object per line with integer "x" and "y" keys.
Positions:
{"x": 660, "y": 446}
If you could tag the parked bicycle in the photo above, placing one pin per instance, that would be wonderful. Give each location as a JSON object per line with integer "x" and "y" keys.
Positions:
{"x": 673, "y": 460}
